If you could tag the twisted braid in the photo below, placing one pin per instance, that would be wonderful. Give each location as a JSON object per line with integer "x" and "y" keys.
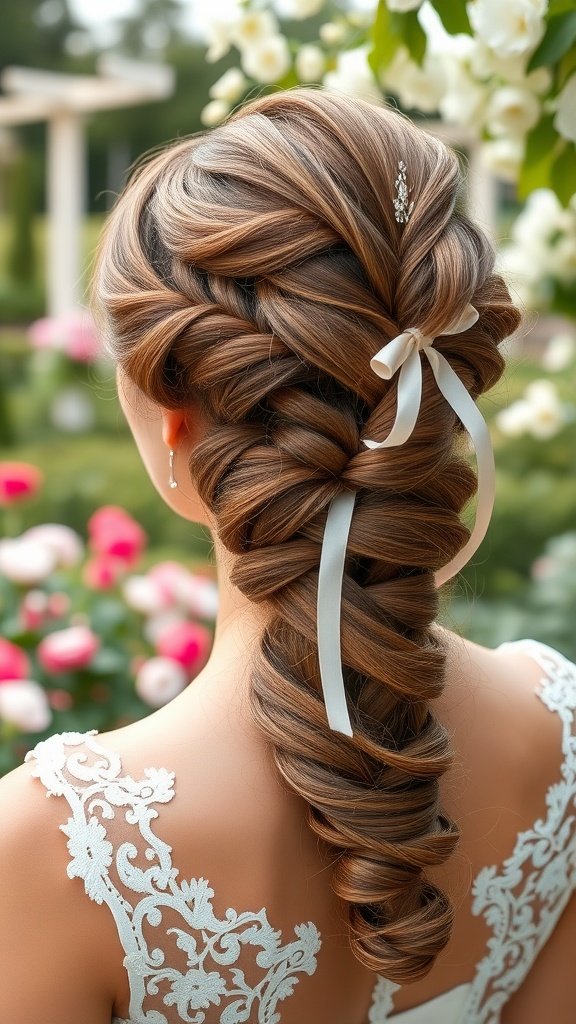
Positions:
{"x": 255, "y": 270}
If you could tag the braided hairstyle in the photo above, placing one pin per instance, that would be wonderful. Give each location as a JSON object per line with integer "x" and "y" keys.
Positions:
{"x": 252, "y": 272}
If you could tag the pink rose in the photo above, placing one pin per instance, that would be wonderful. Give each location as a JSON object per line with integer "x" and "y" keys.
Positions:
{"x": 68, "y": 649}
{"x": 115, "y": 533}
{"x": 167, "y": 575}
{"x": 102, "y": 572}
{"x": 18, "y": 481}
{"x": 14, "y": 662}
{"x": 73, "y": 333}
{"x": 185, "y": 642}
{"x": 34, "y": 609}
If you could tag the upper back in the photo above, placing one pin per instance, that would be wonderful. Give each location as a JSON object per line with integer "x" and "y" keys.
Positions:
{"x": 260, "y": 900}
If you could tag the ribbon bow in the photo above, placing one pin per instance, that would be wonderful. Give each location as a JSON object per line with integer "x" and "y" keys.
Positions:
{"x": 402, "y": 353}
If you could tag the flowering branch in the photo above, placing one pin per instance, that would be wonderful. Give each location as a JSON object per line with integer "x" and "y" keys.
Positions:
{"x": 506, "y": 70}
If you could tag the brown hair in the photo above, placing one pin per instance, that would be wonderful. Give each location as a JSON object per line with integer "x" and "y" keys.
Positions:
{"x": 254, "y": 271}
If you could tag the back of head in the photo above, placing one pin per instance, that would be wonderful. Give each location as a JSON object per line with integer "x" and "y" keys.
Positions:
{"x": 254, "y": 271}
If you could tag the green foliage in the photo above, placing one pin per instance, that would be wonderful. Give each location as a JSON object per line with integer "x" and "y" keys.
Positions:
{"x": 21, "y": 256}
{"x": 560, "y": 36}
{"x": 541, "y": 148}
{"x": 454, "y": 16}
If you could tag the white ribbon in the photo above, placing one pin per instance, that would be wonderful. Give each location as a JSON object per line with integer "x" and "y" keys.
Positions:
{"x": 403, "y": 353}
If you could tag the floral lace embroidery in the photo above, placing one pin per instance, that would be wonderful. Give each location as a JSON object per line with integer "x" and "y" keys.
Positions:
{"x": 382, "y": 1001}
{"x": 523, "y": 903}
{"x": 210, "y": 979}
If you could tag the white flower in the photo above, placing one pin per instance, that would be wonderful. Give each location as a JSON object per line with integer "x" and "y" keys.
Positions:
{"x": 310, "y": 63}
{"x": 520, "y": 272}
{"x": 562, "y": 258}
{"x": 560, "y": 352}
{"x": 403, "y": 5}
{"x": 503, "y": 157}
{"x": 198, "y": 595}
{"x": 515, "y": 419}
{"x": 565, "y": 120}
{"x": 268, "y": 61}
{"x": 547, "y": 414}
{"x": 353, "y": 76}
{"x": 332, "y": 32}
{"x": 545, "y": 233}
{"x": 254, "y": 29}
{"x": 159, "y": 680}
{"x": 216, "y": 28}
{"x": 464, "y": 100}
{"x": 214, "y": 112}
{"x": 62, "y": 540}
{"x": 512, "y": 111}
{"x": 24, "y": 704}
{"x": 418, "y": 87}
{"x": 144, "y": 595}
{"x": 299, "y": 9}
{"x": 26, "y": 561}
{"x": 230, "y": 86}
{"x": 509, "y": 27}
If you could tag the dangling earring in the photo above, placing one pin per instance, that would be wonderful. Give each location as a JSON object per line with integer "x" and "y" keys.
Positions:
{"x": 171, "y": 480}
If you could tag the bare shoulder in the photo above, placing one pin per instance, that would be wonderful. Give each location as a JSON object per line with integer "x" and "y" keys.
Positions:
{"x": 47, "y": 926}
{"x": 496, "y": 705}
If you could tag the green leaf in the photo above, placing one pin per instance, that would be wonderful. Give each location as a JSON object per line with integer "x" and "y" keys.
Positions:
{"x": 560, "y": 6}
{"x": 541, "y": 148}
{"x": 413, "y": 35}
{"x": 566, "y": 68}
{"x": 453, "y": 15}
{"x": 385, "y": 41}
{"x": 560, "y": 34}
{"x": 563, "y": 175}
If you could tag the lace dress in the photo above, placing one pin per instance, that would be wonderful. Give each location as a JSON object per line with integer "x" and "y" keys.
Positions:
{"x": 186, "y": 963}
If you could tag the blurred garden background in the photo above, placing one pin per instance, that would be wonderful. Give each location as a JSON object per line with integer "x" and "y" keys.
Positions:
{"x": 107, "y": 600}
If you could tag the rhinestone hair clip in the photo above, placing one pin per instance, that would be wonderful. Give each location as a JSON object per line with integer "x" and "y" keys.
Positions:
{"x": 401, "y": 206}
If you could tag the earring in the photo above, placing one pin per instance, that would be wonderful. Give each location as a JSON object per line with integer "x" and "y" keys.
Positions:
{"x": 171, "y": 480}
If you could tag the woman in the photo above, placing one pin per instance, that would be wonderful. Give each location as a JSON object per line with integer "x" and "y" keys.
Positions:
{"x": 352, "y": 815}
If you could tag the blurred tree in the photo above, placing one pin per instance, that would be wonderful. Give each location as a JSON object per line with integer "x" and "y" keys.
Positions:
{"x": 22, "y": 191}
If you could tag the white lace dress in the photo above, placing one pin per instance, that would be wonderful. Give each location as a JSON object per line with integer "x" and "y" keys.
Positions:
{"x": 184, "y": 962}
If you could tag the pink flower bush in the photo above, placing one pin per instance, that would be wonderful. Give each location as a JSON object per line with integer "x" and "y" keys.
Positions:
{"x": 185, "y": 642}
{"x": 102, "y": 572}
{"x": 14, "y": 663}
{"x": 115, "y": 534}
{"x": 122, "y": 640}
{"x": 73, "y": 334}
{"x": 18, "y": 481}
{"x": 67, "y": 649}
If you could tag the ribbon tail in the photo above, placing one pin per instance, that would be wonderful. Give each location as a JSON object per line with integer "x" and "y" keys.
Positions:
{"x": 328, "y": 610}
{"x": 464, "y": 406}
{"x": 408, "y": 403}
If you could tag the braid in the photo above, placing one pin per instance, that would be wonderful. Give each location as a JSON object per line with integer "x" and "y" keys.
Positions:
{"x": 255, "y": 270}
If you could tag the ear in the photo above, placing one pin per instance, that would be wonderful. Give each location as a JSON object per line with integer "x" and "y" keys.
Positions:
{"x": 174, "y": 427}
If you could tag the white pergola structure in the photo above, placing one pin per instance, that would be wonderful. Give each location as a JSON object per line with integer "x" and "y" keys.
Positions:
{"x": 64, "y": 101}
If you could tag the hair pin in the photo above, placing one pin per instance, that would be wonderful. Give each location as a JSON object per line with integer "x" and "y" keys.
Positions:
{"x": 401, "y": 206}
